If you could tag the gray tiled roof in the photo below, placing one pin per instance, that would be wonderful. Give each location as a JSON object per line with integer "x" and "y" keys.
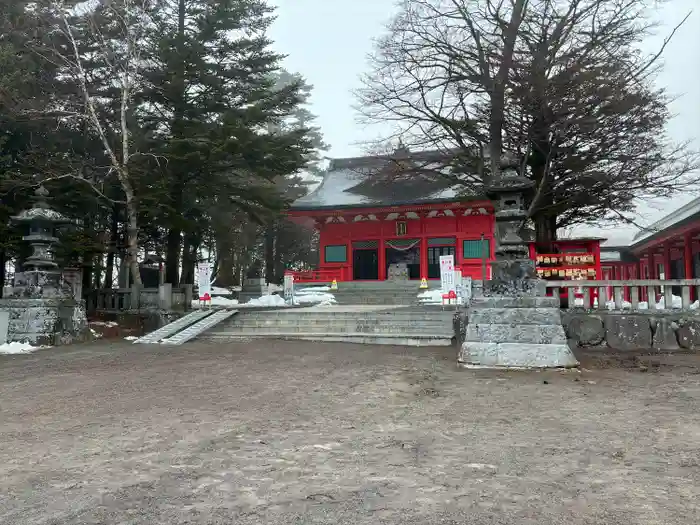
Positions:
{"x": 385, "y": 181}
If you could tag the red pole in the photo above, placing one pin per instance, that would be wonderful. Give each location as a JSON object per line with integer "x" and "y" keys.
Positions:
{"x": 688, "y": 260}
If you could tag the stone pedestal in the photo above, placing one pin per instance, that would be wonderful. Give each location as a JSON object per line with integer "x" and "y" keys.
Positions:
{"x": 252, "y": 288}
{"x": 398, "y": 272}
{"x": 46, "y": 322}
{"x": 515, "y": 332}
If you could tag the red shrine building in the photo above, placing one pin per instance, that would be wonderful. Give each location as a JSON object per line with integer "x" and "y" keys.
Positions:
{"x": 374, "y": 214}
{"x": 668, "y": 249}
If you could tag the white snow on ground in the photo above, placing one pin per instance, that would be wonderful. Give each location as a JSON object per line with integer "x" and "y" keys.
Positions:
{"x": 108, "y": 324}
{"x": 95, "y": 334}
{"x": 130, "y": 338}
{"x": 18, "y": 348}
{"x": 215, "y": 301}
{"x": 312, "y": 290}
{"x": 322, "y": 298}
{"x": 430, "y": 297}
{"x": 267, "y": 300}
{"x": 676, "y": 302}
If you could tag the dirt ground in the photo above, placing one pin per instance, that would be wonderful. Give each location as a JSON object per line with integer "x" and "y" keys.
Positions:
{"x": 299, "y": 433}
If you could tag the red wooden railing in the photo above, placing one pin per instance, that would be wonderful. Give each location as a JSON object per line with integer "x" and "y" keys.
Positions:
{"x": 318, "y": 276}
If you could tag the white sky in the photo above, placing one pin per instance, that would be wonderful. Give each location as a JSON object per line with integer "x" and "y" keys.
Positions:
{"x": 327, "y": 41}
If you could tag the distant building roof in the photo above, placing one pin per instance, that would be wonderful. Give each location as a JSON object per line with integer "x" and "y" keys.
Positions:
{"x": 388, "y": 180}
{"x": 679, "y": 217}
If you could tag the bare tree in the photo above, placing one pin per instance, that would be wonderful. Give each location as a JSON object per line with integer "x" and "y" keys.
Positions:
{"x": 560, "y": 83}
{"x": 109, "y": 35}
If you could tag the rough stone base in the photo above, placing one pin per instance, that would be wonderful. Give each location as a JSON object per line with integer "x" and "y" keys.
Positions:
{"x": 523, "y": 331}
{"x": 516, "y": 355}
{"x": 46, "y": 322}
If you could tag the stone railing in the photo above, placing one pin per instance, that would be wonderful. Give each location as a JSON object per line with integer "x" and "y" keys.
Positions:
{"x": 165, "y": 297}
{"x": 642, "y": 294}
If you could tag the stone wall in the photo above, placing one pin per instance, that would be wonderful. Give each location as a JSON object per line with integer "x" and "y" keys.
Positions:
{"x": 624, "y": 331}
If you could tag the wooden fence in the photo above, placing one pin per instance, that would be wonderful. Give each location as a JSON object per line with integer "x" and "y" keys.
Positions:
{"x": 165, "y": 297}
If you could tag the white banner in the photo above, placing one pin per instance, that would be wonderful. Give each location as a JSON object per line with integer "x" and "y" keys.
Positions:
{"x": 204, "y": 281}
{"x": 289, "y": 288}
{"x": 447, "y": 273}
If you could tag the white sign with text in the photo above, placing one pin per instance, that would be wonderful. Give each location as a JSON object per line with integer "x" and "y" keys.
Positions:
{"x": 447, "y": 273}
{"x": 204, "y": 281}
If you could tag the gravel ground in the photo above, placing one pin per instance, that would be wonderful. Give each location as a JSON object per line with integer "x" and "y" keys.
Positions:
{"x": 299, "y": 433}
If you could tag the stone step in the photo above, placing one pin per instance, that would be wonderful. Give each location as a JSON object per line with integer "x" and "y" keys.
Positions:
{"x": 406, "y": 321}
{"x": 515, "y": 333}
{"x": 339, "y": 328}
{"x": 516, "y": 354}
{"x": 379, "y": 316}
{"x": 341, "y": 337}
{"x": 515, "y": 302}
{"x": 526, "y": 316}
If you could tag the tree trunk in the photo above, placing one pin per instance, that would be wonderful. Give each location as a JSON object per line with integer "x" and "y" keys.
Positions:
{"x": 112, "y": 248}
{"x": 189, "y": 258}
{"x": 88, "y": 262}
{"x": 172, "y": 256}
{"x": 3, "y": 263}
{"x": 270, "y": 253}
{"x": 132, "y": 235}
{"x": 174, "y": 238}
{"x": 545, "y": 231}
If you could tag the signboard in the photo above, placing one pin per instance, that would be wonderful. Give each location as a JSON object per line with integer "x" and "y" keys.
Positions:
{"x": 464, "y": 291}
{"x": 447, "y": 273}
{"x": 204, "y": 281}
{"x": 289, "y": 287}
{"x": 401, "y": 228}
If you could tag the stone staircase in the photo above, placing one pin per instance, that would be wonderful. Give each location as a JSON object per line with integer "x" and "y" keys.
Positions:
{"x": 368, "y": 324}
{"x": 379, "y": 292}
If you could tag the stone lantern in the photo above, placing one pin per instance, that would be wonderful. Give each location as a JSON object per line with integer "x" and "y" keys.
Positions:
{"x": 40, "y": 276}
{"x": 514, "y": 324}
{"x": 513, "y": 273}
{"x": 41, "y": 309}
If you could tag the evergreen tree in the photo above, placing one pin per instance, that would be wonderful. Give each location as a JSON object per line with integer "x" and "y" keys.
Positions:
{"x": 212, "y": 112}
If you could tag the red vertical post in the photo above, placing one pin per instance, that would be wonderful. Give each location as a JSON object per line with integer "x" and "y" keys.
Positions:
{"x": 667, "y": 260}
{"x": 381, "y": 259}
{"x": 688, "y": 260}
{"x": 424, "y": 257}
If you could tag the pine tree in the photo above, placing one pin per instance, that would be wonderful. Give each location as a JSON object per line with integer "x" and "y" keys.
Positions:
{"x": 211, "y": 111}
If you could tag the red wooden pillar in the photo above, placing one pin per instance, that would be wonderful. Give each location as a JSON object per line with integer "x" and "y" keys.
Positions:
{"x": 381, "y": 259}
{"x": 424, "y": 257}
{"x": 688, "y": 260}
{"x": 667, "y": 260}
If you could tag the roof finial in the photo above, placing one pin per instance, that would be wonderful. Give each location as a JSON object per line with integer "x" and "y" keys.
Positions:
{"x": 401, "y": 150}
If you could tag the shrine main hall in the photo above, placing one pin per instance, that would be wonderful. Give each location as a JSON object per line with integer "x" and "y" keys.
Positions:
{"x": 376, "y": 214}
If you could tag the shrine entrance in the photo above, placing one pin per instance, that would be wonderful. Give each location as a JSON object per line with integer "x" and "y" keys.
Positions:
{"x": 402, "y": 253}
{"x": 365, "y": 261}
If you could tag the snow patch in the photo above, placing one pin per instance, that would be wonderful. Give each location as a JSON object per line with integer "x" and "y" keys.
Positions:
{"x": 108, "y": 324}
{"x": 267, "y": 300}
{"x": 430, "y": 297}
{"x": 676, "y": 303}
{"x": 130, "y": 338}
{"x": 15, "y": 348}
{"x": 215, "y": 301}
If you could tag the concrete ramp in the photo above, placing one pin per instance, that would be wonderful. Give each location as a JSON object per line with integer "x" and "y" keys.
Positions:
{"x": 174, "y": 327}
{"x": 186, "y": 328}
